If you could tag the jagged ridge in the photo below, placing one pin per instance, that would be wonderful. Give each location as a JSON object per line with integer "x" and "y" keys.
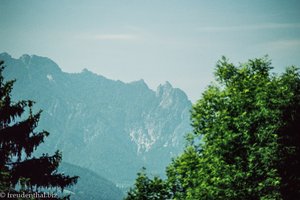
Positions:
{"x": 111, "y": 127}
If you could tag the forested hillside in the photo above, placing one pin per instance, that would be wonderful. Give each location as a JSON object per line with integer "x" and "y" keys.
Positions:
{"x": 90, "y": 185}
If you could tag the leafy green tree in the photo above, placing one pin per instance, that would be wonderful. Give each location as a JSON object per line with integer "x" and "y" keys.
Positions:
{"x": 19, "y": 170}
{"x": 249, "y": 124}
{"x": 182, "y": 173}
{"x": 246, "y": 138}
{"x": 148, "y": 189}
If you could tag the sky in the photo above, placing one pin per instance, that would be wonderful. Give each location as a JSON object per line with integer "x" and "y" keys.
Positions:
{"x": 179, "y": 41}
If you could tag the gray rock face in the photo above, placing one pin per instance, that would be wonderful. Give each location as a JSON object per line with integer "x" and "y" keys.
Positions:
{"x": 110, "y": 127}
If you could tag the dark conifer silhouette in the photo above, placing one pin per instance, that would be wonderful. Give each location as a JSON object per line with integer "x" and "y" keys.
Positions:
{"x": 19, "y": 170}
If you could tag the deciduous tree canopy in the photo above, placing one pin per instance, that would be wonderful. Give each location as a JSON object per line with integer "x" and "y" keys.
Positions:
{"x": 248, "y": 125}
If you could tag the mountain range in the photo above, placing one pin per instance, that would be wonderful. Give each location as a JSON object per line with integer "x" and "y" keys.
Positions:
{"x": 107, "y": 126}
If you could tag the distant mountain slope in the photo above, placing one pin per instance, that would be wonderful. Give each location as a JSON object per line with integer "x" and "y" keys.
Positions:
{"x": 90, "y": 186}
{"x": 110, "y": 127}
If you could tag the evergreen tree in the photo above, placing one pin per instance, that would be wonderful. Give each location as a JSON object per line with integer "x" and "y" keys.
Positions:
{"x": 19, "y": 170}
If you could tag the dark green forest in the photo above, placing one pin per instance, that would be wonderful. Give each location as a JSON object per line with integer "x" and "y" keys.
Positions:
{"x": 245, "y": 140}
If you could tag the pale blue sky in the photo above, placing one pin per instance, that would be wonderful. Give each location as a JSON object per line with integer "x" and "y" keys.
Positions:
{"x": 178, "y": 41}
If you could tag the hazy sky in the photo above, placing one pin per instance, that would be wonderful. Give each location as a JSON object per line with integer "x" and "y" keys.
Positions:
{"x": 178, "y": 41}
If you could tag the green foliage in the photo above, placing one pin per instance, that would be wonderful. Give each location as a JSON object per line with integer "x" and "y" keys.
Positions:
{"x": 18, "y": 139}
{"x": 249, "y": 126}
{"x": 148, "y": 189}
{"x": 239, "y": 119}
{"x": 244, "y": 120}
{"x": 182, "y": 173}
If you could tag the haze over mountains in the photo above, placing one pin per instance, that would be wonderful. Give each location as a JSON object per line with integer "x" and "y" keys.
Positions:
{"x": 90, "y": 185}
{"x": 110, "y": 127}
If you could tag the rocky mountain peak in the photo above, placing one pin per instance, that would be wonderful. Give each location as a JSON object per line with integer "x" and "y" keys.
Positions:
{"x": 140, "y": 84}
{"x": 164, "y": 90}
{"x": 25, "y": 58}
{"x": 170, "y": 96}
{"x": 111, "y": 127}
{"x": 5, "y": 56}
{"x": 41, "y": 64}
